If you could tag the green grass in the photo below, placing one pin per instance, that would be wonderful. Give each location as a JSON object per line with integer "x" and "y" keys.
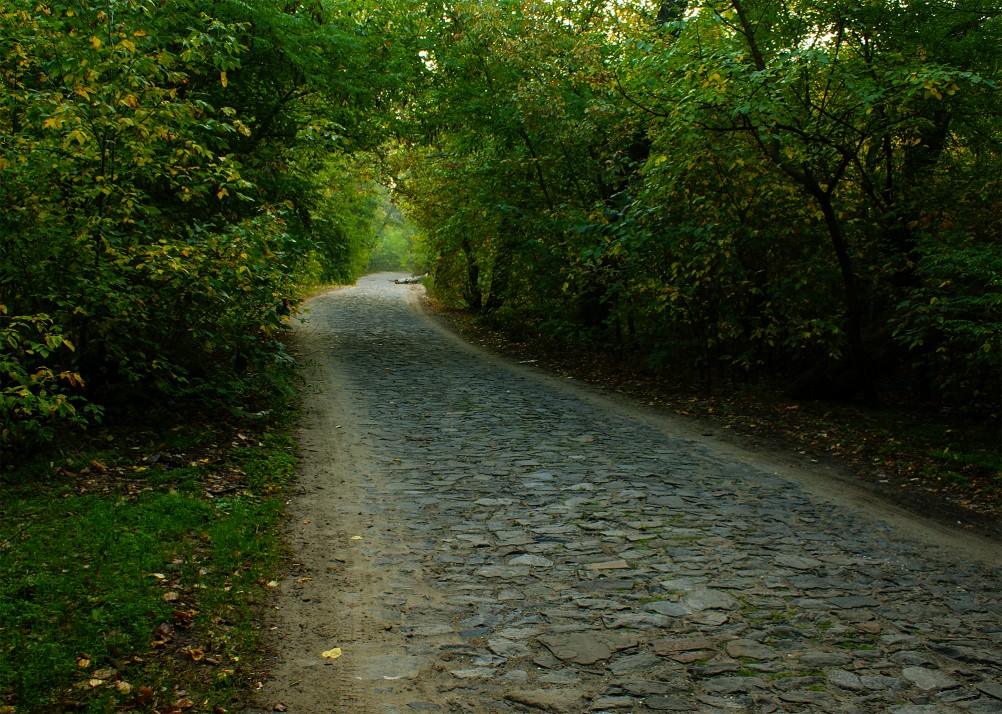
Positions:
{"x": 121, "y": 580}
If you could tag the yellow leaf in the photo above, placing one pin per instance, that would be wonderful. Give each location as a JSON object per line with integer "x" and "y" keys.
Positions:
{"x": 95, "y": 42}
{"x": 222, "y": 78}
{"x": 223, "y": 193}
{"x": 333, "y": 654}
{"x": 52, "y": 123}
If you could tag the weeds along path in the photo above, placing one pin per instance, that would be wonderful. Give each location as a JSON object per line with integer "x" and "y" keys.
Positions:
{"x": 471, "y": 536}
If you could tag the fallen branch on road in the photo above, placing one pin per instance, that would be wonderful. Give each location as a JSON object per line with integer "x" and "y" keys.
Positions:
{"x": 411, "y": 280}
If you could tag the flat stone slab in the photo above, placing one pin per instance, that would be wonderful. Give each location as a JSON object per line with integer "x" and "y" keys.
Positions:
{"x": 667, "y": 646}
{"x": 388, "y": 667}
{"x": 608, "y": 565}
{"x": 824, "y": 659}
{"x": 929, "y": 679}
{"x": 710, "y": 599}
{"x": 798, "y": 562}
{"x": 849, "y": 602}
{"x": 670, "y": 704}
{"x": 588, "y": 647}
{"x": 549, "y": 700}
{"x": 503, "y": 647}
{"x": 750, "y": 649}
{"x": 732, "y": 685}
{"x": 504, "y": 571}
{"x": 474, "y": 673}
{"x": 633, "y": 663}
{"x": 671, "y": 609}
{"x": 992, "y": 689}
{"x": 536, "y": 561}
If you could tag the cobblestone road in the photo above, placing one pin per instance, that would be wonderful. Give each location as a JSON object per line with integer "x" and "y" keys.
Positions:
{"x": 478, "y": 538}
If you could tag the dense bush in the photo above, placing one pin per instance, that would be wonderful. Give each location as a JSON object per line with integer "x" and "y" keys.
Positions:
{"x": 168, "y": 171}
{"x": 804, "y": 190}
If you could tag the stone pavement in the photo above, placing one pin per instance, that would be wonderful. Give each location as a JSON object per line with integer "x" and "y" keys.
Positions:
{"x": 547, "y": 551}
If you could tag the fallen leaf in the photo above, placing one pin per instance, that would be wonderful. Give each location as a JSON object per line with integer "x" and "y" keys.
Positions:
{"x": 333, "y": 654}
{"x": 123, "y": 687}
{"x": 196, "y": 654}
{"x": 104, "y": 673}
{"x": 272, "y": 583}
{"x": 95, "y": 682}
{"x": 83, "y": 662}
{"x": 171, "y": 597}
{"x": 356, "y": 537}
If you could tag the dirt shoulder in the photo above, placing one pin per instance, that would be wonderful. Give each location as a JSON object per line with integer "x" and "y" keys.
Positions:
{"x": 871, "y": 450}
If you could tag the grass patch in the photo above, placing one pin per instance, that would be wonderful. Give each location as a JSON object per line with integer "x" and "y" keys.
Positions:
{"x": 131, "y": 576}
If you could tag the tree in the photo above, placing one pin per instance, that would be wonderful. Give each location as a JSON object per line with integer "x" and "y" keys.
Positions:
{"x": 167, "y": 171}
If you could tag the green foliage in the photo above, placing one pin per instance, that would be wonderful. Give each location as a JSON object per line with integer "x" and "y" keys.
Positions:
{"x": 393, "y": 238}
{"x": 168, "y": 172}
{"x": 750, "y": 188}
{"x": 942, "y": 322}
{"x": 35, "y": 397}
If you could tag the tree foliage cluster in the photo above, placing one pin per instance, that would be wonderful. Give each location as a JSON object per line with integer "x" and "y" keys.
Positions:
{"x": 746, "y": 188}
{"x": 169, "y": 171}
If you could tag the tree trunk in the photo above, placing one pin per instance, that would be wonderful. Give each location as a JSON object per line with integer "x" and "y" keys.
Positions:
{"x": 471, "y": 289}
{"x": 854, "y": 312}
{"x": 500, "y": 273}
